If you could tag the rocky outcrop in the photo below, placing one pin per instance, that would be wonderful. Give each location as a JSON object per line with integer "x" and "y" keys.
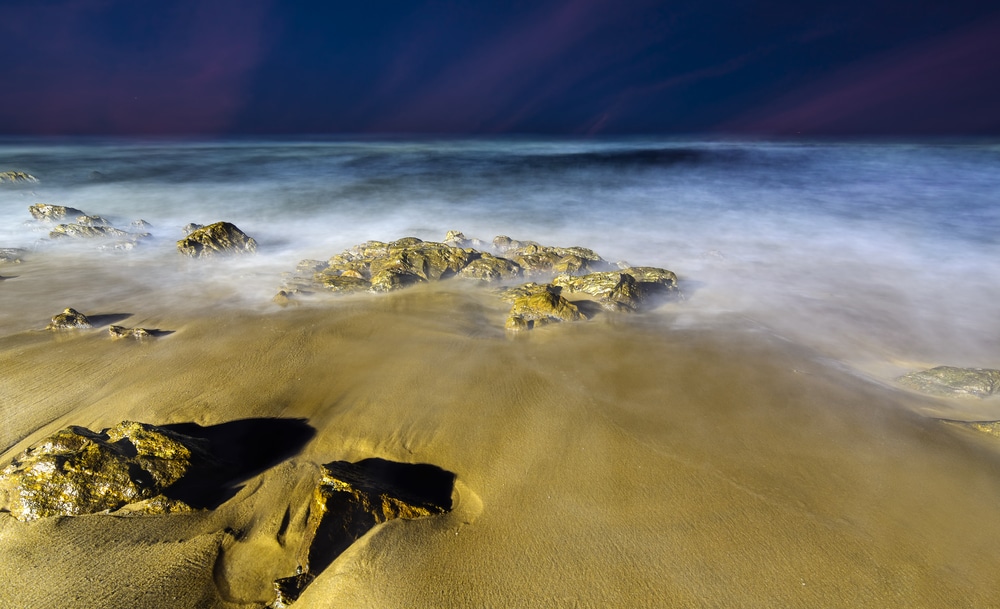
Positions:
{"x": 220, "y": 238}
{"x": 53, "y": 213}
{"x": 951, "y": 381}
{"x": 350, "y": 499}
{"x": 16, "y": 176}
{"x": 377, "y": 266}
{"x": 69, "y": 319}
{"x": 77, "y": 471}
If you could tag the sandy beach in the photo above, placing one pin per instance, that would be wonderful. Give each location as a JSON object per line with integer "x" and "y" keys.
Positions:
{"x": 618, "y": 462}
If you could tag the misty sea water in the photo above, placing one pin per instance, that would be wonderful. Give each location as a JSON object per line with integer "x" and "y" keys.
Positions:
{"x": 863, "y": 250}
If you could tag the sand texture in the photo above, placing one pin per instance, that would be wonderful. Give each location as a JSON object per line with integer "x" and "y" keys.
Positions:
{"x": 617, "y": 462}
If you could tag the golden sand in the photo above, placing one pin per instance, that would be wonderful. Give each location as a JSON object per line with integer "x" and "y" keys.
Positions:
{"x": 612, "y": 463}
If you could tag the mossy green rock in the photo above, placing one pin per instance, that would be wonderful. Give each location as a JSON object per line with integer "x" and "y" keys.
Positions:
{"x": 53, "y": 213}
{"x": 951, "y": 381}
{"x": 220, "y": 238}
{"x": 69, "y": 319}
{"x": 77, "y": 471}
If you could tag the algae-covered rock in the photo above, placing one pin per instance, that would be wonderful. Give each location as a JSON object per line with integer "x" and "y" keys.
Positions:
{"x": 119, "y": 332}
{"x": 77, "y": 471}
{"x": 53, "y": 213}
{"x": 92, "y": 221}
{"x": 951, "y": 381}
{"x": 16, "y": 176}
{"x": 487, "y": 267}
{"x": 69, "y": 319}
{"x": 350, "y": 499}
{"x": 215, "y": 239}
{"x": 11, "y": 255}
{"x": 540, "y": 307}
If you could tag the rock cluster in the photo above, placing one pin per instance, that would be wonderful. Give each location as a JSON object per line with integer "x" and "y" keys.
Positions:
{"x": 84, "y": 226}
{"x": 952, "y": 381}
{"x": 77, "y": 471}
{"x": 377, "y": 266}
{"x": 215, "y": 239}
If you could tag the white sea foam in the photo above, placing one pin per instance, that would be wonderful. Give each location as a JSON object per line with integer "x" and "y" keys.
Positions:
{"x": 883, "y": 250}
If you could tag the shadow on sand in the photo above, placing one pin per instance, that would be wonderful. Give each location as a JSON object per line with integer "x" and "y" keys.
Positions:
{"x": 234, "y": 452}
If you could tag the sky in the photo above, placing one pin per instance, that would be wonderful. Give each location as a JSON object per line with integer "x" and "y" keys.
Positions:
{"x": 782, "y": 68}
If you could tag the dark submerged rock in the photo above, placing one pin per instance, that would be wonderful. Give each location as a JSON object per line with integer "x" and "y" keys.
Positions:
{"x": 952, "y": 381}
{"x": 77, "y": 471}
{"x": 216, "y": 239}
{"x": 69, "y": 319}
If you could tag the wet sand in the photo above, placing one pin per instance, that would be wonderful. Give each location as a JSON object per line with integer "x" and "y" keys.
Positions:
{"x": 618, "y": 462}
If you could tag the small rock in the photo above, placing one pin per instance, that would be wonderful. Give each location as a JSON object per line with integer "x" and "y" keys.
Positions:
{"x": 951, "y": 381}
{"x": 69, "y": 319}
{"x": 89, "y": 232}
{"x": 11, "y": 255}
{"x": 92, "y": 221}
{"x": 541, "y": 307}
{"x": 16, "y": 176}
{"x": 216, "y": 239}
{"x": 140, "y": 224}
{"x": 191, "y": 227}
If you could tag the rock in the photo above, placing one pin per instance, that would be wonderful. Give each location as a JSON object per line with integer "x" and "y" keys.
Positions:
{"x": 215, "y": 239}
{"x": 951, "y": 381}
{"x": 539, "y": 307}
{"x": 69, "y": 319}
{"x": 350, "y": 499}
{"x": 77, "y": 471}
{"x": 393, "y": 278}
{"x": 536, "y": 259}
{"x": 140, "y": 224}
{"x": 191, "y": 227}
{"x": 991, "y": 428}
{"x": 119, "y": 332}
{"x": 92, "y": 221}
{"x": 487, "y": 267}
{"x": 346, "y": 283}
{"x": 90, "y": 232}
{"x": 11, "y": 255}
{"x": 51, "y": 213}
{"x": 627, "y": 289}
{"x": 16, "y": 176}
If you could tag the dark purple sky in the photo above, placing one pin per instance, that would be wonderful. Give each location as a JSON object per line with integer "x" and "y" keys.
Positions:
{"x": 578, "y": 67}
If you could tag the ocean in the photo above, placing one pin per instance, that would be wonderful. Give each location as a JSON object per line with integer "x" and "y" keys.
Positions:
{"x": 872, "y": 253}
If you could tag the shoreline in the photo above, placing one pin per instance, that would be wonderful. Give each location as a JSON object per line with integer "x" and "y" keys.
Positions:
{"x": 613, "y": 461}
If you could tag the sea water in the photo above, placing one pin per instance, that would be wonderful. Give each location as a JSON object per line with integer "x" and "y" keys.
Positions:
{"x": 866, "y": 251}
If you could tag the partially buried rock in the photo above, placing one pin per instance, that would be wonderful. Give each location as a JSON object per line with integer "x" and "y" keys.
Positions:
{"x": 90, "y": 232}
{"x": 53, "y": 213}
{"x": 77, "y": 471}
{"x": 951, "y": 381}
{"x": 119, "y": 332}
{"x": 216, "y": 239}
{"x": 350, "y": 499}
{"x": 69, "y": 319}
